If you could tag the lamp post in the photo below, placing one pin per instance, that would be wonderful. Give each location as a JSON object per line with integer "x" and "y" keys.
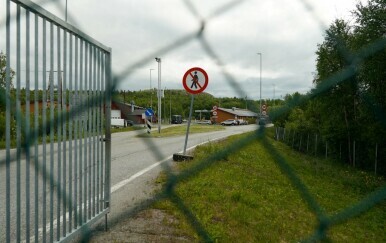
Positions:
{"x": 151, "y": 92}
{"x": 158, "y": 59}
{"x": 260, "y": 77}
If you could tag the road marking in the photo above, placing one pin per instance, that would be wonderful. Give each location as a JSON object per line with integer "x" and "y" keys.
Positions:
{"x": 149, "y": 168}
{"x": 118, "y": 186}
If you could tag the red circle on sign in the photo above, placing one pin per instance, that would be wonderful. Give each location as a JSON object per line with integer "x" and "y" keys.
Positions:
{"x": 188, "y": 77}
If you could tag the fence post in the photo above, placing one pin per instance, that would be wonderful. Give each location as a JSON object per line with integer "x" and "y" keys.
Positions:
{"x": 376, "y": 157}
{"x": 300, "y": 144}
{"x": 308, "y": 138}
{"x": 354, "y": 154}
{"x": 326, "y": 149}
{"x": 293, "y": 139}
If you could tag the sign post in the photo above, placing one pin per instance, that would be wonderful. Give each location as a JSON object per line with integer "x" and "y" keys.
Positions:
{"x": 149, "y": 113}
{"x": 195, "y": 81}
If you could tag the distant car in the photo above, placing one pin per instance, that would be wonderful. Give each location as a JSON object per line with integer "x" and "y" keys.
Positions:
{"x": 242, "y": 122}
{"x": 229, "y": 122}
{"x": 176, "y": 119}
{"x": 208, "y": 122}
{"x": 129, "y": 123}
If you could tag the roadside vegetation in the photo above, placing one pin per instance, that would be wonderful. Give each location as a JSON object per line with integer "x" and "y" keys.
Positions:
{"x": 127, "y": 129}
{"x": 247, "y": 197}
{"x": 178, "y": 130}
{"x": 346, "y": 107}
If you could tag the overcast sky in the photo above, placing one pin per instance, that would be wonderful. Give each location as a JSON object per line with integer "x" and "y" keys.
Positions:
{"x": 286, "y": 32}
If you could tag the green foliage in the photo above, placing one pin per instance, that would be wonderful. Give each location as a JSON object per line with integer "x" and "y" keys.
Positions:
{"x": 348, "y": 103}
{"x": 178, "y": 102}
{"x": 244, "y": 197}
{"x": 3, "y": 69}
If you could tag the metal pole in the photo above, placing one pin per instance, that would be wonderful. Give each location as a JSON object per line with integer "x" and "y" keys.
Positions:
{"x": 66, "y": 11}
{"x": 189, "y": 120}
{"x": 159, "y": 94}
{"x": 260, "y": 54}
{"x": 151, "y": 92}
{"x": 164, "y": 105}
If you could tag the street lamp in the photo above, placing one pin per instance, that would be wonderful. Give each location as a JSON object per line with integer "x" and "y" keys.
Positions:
{"x": 260, "y": 77}
{"x": 158, "y": 59}
{"x": 151, "y": 92}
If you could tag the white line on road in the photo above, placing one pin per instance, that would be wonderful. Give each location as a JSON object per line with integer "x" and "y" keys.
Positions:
{"x": 149, "y": 168}
{"x": 122, "y": 184}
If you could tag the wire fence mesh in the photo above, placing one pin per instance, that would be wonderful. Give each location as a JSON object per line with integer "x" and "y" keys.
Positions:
{"x": 325, "y": 221}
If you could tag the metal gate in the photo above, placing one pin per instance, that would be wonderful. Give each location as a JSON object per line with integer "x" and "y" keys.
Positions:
{"x": 55, "y": 169}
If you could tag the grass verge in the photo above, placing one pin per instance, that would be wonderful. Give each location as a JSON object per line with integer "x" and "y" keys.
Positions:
{"x": 181, "y": 130}
{"x": 246, "y": 196}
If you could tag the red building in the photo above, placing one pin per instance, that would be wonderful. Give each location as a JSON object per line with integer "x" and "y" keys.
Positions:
{"x": 234, "y": 113}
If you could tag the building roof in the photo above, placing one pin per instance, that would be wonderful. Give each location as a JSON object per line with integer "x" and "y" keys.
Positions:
{"x": 239, "y": 112}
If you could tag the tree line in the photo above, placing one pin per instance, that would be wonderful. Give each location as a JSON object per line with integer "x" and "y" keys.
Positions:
{"x": 347, "y": 106}
{"x": 177, "y": 102}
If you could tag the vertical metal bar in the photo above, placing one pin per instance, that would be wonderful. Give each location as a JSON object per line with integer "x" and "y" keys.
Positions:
{"x": 94, "y": 110}
{"x": 108, "y": 91}
{"x": 8, "y": 124}
{"x": 27, "y": 130}
{"x": 44, "y": 131}
{"x": 98, "y": 113}
{"x": 102, "y": 125}
{"x": 59, "y": 143}
{"x": 86, "y": 135}
{"x": 76, "y": 80}
{"x": 80, "y": 130}
{"x": 36, "y": 123}
{"x": 89, "y": 109}
{"x": 18, "y": 129}
{"x": 71, "y": 107}
{"x": 52, "y": 105}
{"x": 65, "y": 115}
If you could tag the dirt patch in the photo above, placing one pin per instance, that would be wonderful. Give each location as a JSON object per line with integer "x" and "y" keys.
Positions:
{"x": 151, "y": 225}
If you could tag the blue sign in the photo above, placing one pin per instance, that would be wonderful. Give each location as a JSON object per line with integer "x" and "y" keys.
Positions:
{"x": 149, "y": 112}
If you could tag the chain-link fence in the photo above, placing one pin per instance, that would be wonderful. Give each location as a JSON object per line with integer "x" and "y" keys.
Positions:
{"x": 325, "y": 221}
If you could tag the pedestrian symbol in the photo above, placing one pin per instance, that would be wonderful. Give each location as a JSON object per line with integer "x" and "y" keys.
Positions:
{"x": 194, "y": 80}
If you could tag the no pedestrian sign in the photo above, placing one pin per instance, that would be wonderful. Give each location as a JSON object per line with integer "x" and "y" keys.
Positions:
{"x": 195, "y": 80}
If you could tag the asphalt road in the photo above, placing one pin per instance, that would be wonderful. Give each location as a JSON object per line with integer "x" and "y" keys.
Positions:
{"x": 135, "y": 162}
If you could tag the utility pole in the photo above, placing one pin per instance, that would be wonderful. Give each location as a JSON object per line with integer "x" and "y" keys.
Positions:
{"x": 158, "y": 59}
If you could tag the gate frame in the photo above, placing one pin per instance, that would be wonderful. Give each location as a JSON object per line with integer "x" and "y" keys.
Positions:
{"x": 67, "y": 28}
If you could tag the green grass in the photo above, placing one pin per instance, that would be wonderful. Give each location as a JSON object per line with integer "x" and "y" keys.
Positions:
{"x": 126, "y": 129}
{"x": 245, "y": 197}
{"x": 181, "y": 130}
